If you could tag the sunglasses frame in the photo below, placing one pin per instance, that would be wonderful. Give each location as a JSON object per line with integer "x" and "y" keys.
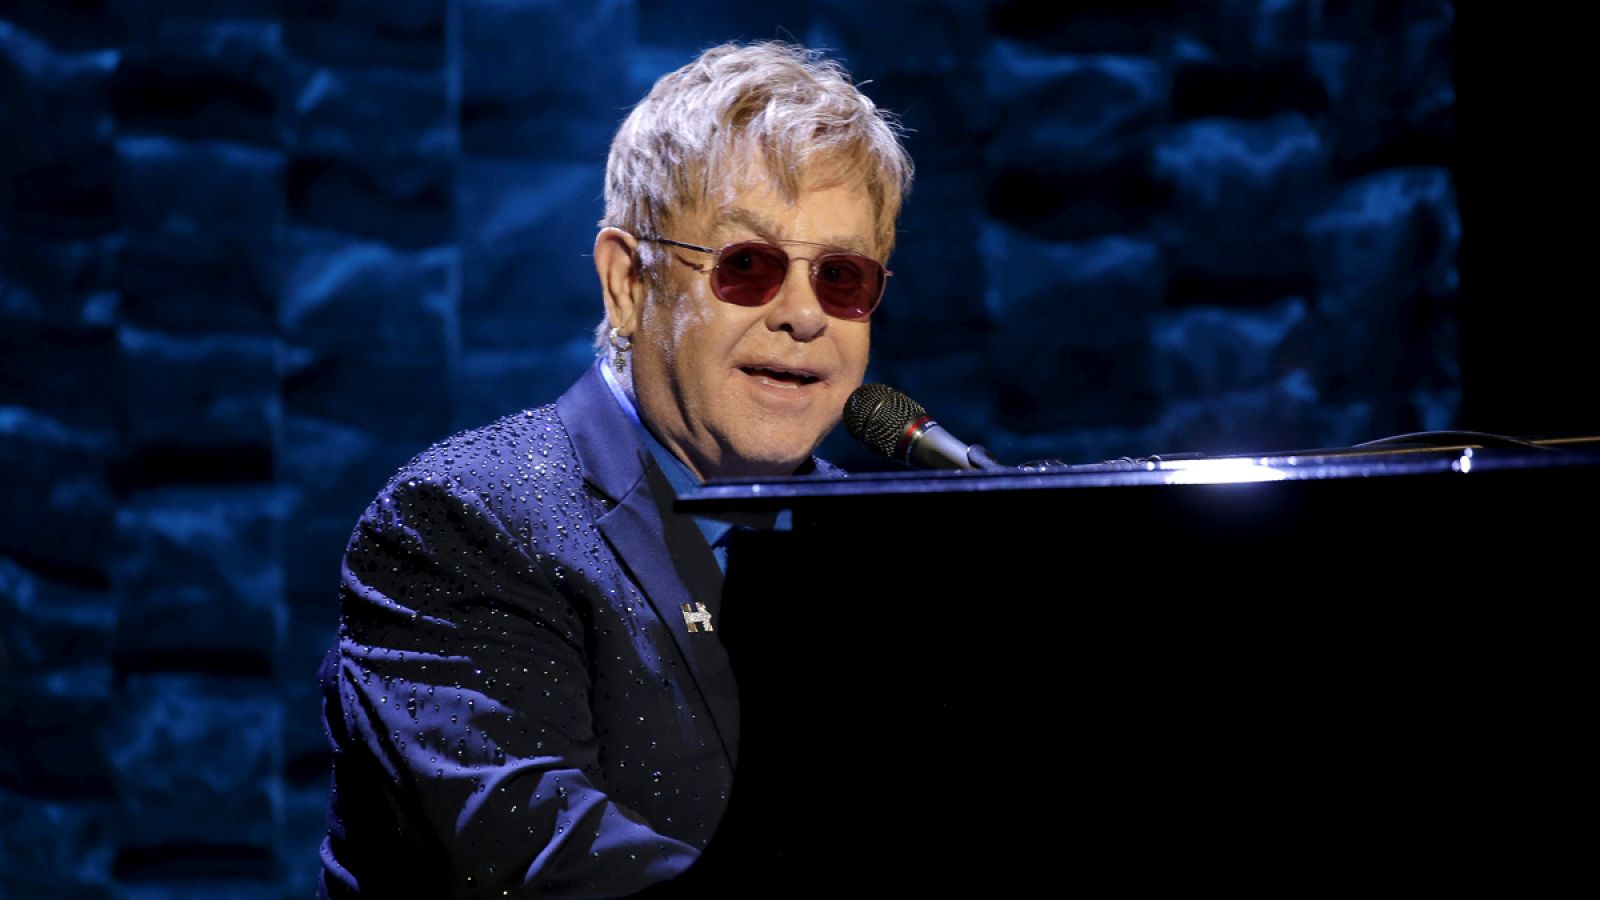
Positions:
{"x": 813, "y": 261}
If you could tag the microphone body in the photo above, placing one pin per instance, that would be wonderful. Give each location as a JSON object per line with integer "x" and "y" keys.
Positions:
{"x": 926, "y": 444}
{"x": 893, "y": 425}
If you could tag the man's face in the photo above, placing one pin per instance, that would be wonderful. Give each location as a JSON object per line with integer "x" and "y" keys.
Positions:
{"x": 751, "y": 391}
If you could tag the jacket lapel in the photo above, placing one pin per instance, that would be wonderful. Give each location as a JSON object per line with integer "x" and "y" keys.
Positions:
{"x": 647, "y": 540}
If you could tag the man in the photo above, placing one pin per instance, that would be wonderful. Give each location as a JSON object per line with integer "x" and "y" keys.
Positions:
{"x": 528, "y": 696}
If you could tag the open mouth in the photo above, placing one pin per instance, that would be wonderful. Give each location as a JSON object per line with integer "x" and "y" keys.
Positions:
{"x": 781, "y": 377}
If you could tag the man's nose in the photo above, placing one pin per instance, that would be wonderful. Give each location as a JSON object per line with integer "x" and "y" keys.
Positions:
{"x": 796, "y": 308}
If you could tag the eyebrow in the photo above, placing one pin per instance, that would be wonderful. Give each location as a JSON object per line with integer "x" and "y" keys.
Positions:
{"x": 768, "y": 230}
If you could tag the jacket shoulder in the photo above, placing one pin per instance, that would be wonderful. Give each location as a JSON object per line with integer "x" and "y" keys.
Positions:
{"x": 515, "y": 445}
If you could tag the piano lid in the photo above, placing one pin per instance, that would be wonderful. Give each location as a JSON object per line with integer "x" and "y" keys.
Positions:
{"x": 1405, "y": 456}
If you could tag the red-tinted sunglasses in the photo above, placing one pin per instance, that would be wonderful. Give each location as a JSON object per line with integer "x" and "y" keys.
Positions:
{"x": 749, "y": 273}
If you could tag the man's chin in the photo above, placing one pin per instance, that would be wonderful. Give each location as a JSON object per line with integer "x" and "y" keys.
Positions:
{"x": 764, "y": 460}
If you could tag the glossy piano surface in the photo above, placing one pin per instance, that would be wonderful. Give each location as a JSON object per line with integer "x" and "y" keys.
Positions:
{"x": 1340, "y": 668}
{"x": 1556, "y": 457}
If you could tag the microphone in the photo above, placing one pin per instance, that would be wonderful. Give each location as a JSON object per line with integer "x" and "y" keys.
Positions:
{"x": 891, "y": 424}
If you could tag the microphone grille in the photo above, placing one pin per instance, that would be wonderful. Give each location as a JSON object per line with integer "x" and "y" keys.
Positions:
{"x": 877, "y": 415}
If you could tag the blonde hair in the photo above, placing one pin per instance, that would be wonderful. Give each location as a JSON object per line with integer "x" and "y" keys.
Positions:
{"x": 789, "y": 109}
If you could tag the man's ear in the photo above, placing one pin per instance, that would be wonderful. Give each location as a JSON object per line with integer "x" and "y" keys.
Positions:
{"x": 621, "y": 283}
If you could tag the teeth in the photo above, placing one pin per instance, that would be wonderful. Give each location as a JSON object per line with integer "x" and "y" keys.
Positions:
{"x": 785, "y": 379}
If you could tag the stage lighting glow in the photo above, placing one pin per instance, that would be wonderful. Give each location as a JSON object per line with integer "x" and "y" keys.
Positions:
{"x": 1234, "y": 470}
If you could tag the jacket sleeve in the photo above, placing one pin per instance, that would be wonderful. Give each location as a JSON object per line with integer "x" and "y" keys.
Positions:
{"x": 458, "y": 702}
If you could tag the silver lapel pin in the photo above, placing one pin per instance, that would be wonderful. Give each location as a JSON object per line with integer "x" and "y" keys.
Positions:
{"x": 696, "y": 614}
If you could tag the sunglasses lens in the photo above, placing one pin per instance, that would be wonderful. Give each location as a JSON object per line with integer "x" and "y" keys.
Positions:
{"x": 848, "y": 285}
{"x": 749, "y": 274}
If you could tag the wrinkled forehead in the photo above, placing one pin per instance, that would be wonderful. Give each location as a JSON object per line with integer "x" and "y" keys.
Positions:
{"x": 753, "y": 199}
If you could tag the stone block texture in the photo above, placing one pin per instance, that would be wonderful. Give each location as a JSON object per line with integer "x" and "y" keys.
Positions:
{"x": 255, "y": 254}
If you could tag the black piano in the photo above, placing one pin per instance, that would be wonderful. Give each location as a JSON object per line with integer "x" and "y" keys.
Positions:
{"x": 1360, "y": 669}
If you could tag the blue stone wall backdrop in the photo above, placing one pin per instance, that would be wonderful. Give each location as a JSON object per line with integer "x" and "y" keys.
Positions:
{"x": 257, "y": 253}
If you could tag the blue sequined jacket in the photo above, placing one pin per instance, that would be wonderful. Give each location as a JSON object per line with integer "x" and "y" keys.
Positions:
{"x": 516, "y": 702}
